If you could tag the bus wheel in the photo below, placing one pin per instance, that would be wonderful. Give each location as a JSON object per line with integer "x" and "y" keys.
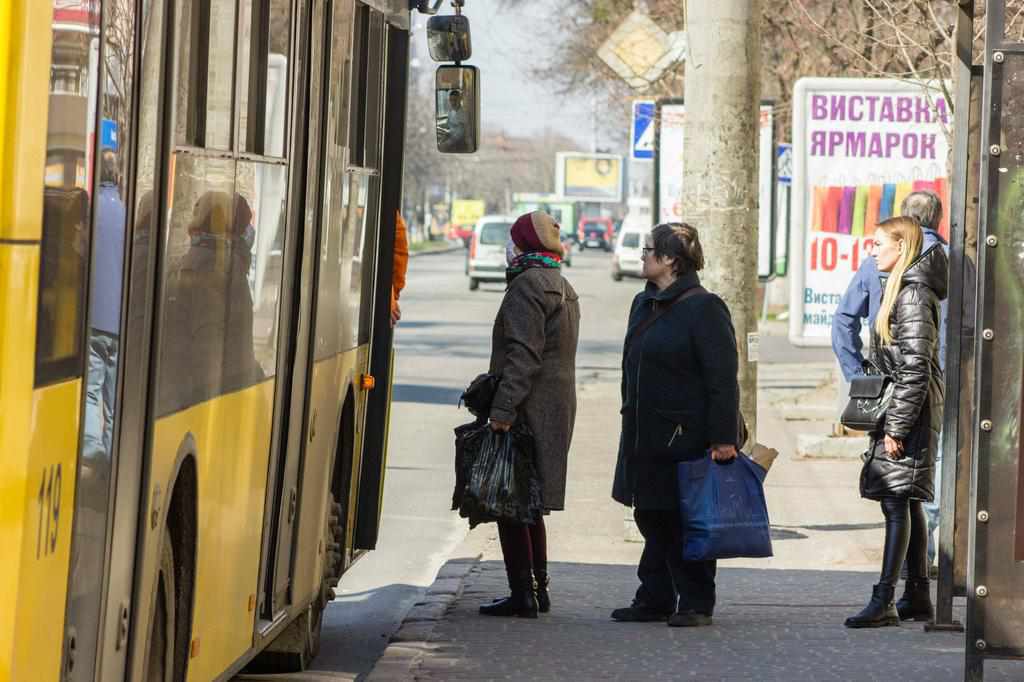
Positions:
{"x": 160, "y": 647}
{"x": 332, "y": 569}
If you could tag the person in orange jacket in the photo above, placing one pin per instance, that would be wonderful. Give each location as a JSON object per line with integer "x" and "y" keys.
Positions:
{"x": 401, "y": 264}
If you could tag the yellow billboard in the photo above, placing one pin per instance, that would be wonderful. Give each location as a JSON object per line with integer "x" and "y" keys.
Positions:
{"x": 590, "y": 177}
{"x": 467, "y": 211}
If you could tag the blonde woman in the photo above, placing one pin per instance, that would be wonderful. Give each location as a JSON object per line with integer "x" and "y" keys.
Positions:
{"x": 900, "y": 463}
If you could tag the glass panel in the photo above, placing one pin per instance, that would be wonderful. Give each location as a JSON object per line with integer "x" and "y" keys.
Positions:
{"x": 92, "y": 500}
{"x": 261, "y": 191}
{"x": 360, "y": 46}
{"x": 206, "y": 335}
{"x": 206, "y": 52}
{"x": 357, "y": 215}
{"x": 631, "y": 241}
{"x": 495, "y": 233}
{"x": 999, "y": 454}
{"x": 66, "y": 201}
{"x": 263, "y": 55}
{"x": 335, "y": 188}
{"x": 336, "y": 192}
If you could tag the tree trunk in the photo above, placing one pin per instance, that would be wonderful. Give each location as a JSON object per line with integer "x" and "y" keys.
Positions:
{"x": 721, "y": 162}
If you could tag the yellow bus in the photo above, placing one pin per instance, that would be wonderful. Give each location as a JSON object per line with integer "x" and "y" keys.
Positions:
{"x": 197, "y": 203}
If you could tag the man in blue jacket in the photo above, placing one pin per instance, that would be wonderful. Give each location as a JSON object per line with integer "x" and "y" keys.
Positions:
{"x": 862, "y": 300}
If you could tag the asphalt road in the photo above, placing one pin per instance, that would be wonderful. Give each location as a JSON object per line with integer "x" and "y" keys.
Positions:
{"x": 443, "y": 342}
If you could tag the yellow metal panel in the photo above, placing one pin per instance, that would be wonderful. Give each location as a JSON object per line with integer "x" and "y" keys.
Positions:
{"x": 232, "y": 438}
{"x": 25, "y": 40}
{"x": 19, "y": 267}
{"x": 332, "y": 378}
{"x": 49, "y": 496}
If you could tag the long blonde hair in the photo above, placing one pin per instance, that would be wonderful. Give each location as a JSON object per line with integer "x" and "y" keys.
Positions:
{"x": 906, "y": 230}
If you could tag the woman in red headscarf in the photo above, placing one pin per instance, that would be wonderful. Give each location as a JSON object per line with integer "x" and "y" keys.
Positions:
{"x": 534, "y": 353}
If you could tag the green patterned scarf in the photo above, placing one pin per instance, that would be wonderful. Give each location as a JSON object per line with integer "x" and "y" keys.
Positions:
{"x": 533, "y": 259}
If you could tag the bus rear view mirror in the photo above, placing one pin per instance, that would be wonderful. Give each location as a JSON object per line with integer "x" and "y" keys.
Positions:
{"x": 448, "y": 38}
{"x": 457, "y": 111}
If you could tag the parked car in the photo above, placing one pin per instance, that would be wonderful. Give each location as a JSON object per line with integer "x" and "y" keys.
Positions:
{"x": 596, "y": 231}
{"x": 626, "y": 258}
{"x": 487, "y": 250}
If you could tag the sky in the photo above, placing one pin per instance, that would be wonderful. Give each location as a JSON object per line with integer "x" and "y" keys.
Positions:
{"x": 506, "y": 45}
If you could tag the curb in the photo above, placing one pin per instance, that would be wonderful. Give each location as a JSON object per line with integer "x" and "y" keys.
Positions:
{"x": 436, "y": 252}
{"x": 413, "y": 639}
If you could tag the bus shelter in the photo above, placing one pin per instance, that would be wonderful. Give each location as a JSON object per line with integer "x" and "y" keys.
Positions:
{"x": 982, "y": 548}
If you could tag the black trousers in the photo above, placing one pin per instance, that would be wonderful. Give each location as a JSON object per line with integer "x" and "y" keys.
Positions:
{"x": 906, "y": 537}
{"x": 666, "y": 581}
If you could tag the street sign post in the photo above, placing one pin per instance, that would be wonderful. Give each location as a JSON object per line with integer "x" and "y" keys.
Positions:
{"x": 642, "y": 131}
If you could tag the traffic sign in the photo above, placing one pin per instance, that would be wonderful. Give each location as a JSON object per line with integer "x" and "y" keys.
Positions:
{"x": 642, "y": 147}
{"x": 784, "y": 163}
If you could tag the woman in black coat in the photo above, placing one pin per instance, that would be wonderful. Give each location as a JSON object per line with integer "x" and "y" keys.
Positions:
{"x": 680, "y": 399}
{"x": 900, "y": 463}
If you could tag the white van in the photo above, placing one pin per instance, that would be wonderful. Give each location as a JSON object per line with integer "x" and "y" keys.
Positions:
{"x": 487, "y": 250}
{"x": 628, "y": 247}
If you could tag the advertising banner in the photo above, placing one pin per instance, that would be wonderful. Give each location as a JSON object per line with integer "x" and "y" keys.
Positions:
{"x": 860, "y": 146}
{"x": 589, "y": 177}
{"x": 669, "y": 162}
{"x": 465, "y": 212}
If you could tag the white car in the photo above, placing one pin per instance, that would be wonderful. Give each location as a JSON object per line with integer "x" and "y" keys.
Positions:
{"x": 487, "y": 250}
{"x": 626, "y": 257}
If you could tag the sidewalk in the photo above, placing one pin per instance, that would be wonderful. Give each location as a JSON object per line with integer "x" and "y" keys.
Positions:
{"x": 776, "y": 619}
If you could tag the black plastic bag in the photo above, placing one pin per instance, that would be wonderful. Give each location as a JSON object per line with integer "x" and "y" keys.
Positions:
{"x": 496, "y": 475}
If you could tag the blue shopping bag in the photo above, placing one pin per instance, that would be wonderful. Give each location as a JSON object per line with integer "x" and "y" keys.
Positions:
{"x": 723, "y": 509}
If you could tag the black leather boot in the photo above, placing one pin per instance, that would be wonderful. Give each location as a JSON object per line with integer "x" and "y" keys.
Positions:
{"x": 916, "y": 602}
{"x": 879, "y": 612}
{"x": 540, "y": 588}
{"x": 522, "y": 603}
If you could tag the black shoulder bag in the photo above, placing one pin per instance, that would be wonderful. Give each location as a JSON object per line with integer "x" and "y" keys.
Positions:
{"x": 870, "y": 395}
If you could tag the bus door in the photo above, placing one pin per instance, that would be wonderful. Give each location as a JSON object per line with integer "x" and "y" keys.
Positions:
{"x": 277, "y": 567}
{"x": 85, "y": 221}
{"x": 120, "y": 171}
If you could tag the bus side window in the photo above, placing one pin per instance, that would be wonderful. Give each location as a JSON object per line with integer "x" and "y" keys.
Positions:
{"x": 263, "y": 67}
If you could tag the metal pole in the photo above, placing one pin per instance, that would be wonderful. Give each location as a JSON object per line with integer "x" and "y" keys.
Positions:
{"x": 721, "y": 163}
{"x": 955, "y": 342}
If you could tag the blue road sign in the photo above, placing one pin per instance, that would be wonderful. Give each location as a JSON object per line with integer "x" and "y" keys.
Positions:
{"x": 108, "y": 134}
{"x": 642, "y": 148}
{"x": 784, "y": 163}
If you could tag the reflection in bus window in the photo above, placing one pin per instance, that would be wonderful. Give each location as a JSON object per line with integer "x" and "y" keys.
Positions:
{"x": 66, "y": 202}
{"x": 207, "y": 345}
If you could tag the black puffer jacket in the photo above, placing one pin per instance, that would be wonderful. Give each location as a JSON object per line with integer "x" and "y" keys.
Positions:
{"x": 914, "y": 416}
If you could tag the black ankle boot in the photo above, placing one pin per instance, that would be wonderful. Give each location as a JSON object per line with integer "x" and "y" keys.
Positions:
{"x": 916, "y": 602}
{"x": 541, "y": 590}
{"x": 522, "y": 603}
{"x": 879, "y": 612}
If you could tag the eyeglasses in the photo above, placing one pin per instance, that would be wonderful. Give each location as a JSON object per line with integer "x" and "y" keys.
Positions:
{"x": 647, "y": 249}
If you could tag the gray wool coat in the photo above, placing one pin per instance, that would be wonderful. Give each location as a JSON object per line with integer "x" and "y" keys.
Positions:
{"x": 533, "y": 350}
